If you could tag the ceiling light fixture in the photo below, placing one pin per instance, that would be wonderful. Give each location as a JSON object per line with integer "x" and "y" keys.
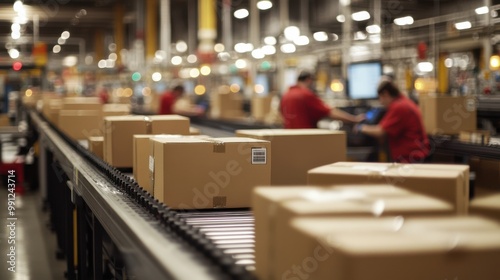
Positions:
{"x": 360, "y": 16}
{"x": 264, "y": 5}
{"x": 463, "y": 25}
{"x": 408, "y": 20}
{"x": 482, "y": 10}
{"x": 241, "y": 13}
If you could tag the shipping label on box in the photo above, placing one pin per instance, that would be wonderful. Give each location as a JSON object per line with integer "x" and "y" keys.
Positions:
{"x": 274, "y": 207}
{"x": 393, "y": 248}
{"x": 191, "y": 173}
{"x": 447, "y": 182}
{"x": 295, "y": 151}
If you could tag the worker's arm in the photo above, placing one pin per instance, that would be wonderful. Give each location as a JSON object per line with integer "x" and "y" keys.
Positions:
{"x": 372, "y": 130}
{"x": 345, "y": 117}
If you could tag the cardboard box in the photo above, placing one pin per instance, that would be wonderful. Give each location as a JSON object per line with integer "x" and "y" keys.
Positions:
{"x": 191, "y": 173}
{"x": 476, "y": 137}
{"x": 275, "y": 207}
{"x": 394, "y": 249}
{"x": 295, "y": 151}
{"x": 4, "y": 120}
{"x": 488, "y": 174}
{"x": 109, "y": 110}
{"x": 261, "y": 107}
{"x": 487, "y": 206}
{"x": 226, "y": 105}
{"x": 448, "y": 114}
{"x": 50, "y": 109}
{"x": 449, "y": 182}
{"x": 82, "y": 103}
{"x": 96, "y": 144}
{"x": 119, "y": 131}
{"x": 141, "y": 156}
{"x": 80, "y": 124}
{"x": 194, "y": 131}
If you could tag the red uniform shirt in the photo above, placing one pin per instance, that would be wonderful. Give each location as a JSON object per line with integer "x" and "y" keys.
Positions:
{"x": 300, "y": 108}
{"x": 405, "y": 131}
{"x": 167, "y": 103}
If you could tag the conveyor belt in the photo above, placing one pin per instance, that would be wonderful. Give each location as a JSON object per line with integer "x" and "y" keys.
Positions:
{"x": 451, "y": 145}
{"x": 158, "y": 242}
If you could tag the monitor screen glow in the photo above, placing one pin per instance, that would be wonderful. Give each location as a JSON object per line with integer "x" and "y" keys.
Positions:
{"x": 363, "y": 80}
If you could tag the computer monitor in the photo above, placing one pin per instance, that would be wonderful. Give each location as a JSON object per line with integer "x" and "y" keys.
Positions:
{"x": 363, "y": 79}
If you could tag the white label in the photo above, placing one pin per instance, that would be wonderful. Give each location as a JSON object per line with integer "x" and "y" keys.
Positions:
{"x": 151, "y": 164}
{"x": 259, "y": 156}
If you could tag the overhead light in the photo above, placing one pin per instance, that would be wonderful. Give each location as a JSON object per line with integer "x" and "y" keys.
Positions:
{"x": 194, "y": 73}
{"x": 291, "y": 32}
{"x": 15, "y": 35}
{"x": 241, "y": 48}
{"x": 13, "y": 53}
{"x": 335, "y": 37}
{"x": 219, "y": 47}
{"x": 70, "y": 61}
{"x": 113, "y": 56}
{"x": 375, "y": 38}
{"x": 258, "y": 54}
{"x": 301, "y": 40}
{"x": 270, "y": 40}
{"x": 360, "y": 35}
{"x": 482, "y": 10}
{"x": 161, "y": 55}
{"x": 16, "y": 27}
{"x": 176, "y": 60}
{"x": 56, "y": 49}
{"x": 269, "y": 50}
{"x": 192, "y": 58}
{"x": 373, "y": 29}
{"x": 65, "y": 35}
{"x": 408, "y": 20}
{"x": 241, "y": 63}
{"x": 205, "y": 70}
{"x": 61, "y": 41}
{"x": 495, "y": 62}
{"x": 181, "y": 46}
{"x": 425, "y": 67}
{"x": 463, "y": 25}
{"x": 448, "y": 63}
{"x": 101, "y": 64}
{"x": 288, "y": 48}
{"x": 320, "y": 36}
{"x": 18, "y": 6}
{"x": 241, "y": 13}
{"x": 156, "y": 76}
{"x": 360, "y": 16}
{"x": 264, "y": 5}
{"x": 345, "y": 2}
{"x": 341, "y": 18}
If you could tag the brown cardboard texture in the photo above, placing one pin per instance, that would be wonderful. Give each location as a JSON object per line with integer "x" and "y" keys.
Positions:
{"x": 82, "y": 103}
{"x": 275, "y": 207}
{"x": 261, "y": 107}
{"x": 80, "y": 124}
{"x": 51, "y": 109}
{"x": 190, "y": 173}
{"x": 487, "y": 206}
{"x": 295, "y": 151}
{"x": 448, "y": 114}
{"x": 109, "y": 110}
{"x": 141, "y": 148}
{"x": 394, "y": 248}
{"x": 447, "y": 182}
{"x": 226, "y": 105}
{"x": 96, "y": 144}
{"x": 119, "y": 131}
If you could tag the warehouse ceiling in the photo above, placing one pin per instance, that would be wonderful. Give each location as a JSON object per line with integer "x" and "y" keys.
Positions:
{"x": 83, "y": 17}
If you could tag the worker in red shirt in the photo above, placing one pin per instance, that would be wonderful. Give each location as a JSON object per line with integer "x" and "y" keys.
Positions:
{"x": 401, "y": 125}
{"x": 168, "y": 100}
{"x": 301, "y": 108}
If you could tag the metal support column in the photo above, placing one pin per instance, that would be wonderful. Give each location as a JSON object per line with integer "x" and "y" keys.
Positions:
{"x": 97, "y": 249}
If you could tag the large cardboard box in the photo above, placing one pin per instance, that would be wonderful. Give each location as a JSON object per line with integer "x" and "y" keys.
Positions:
{"x": 80, "y": 124}
{"x": 261, "y": 107}
{"x": 141, "y": 156}
{"x": 82, "y": 103}
{"x": 119, "y": 131}
{"x": 274, "y": 207}
{"x": 448, "y": 114}
{"x": 193, "y": 173}
{"x": 4, "y": 120}
{"x": 109, "y": 110}
{"x": 226, "y": 105}
{"x": 394, "y": 249}
{"x": 50, "y": 109}
{"x": 487, "y": 206}
{"x": 449, "y": 182}
{"x": 295, "y": 151}
{"x": 96, "y": 145}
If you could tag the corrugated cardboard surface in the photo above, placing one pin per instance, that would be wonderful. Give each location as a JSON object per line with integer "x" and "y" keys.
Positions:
{"x": 275, "y": 207}
{"x": 4, "y": 120}
{"x": 82, "y": 103}
{"x": 192, "y": 173}
{"x": 96, "y": 144}
{"x": 119, "y": 131}
{"x": 448, "y": 114}
{"x": 487, "y": 206}
{"x": 261, "y": 107}
{"x": 51, "y": 109}
{"x": 395, "y": 248}
{"x": 447, "y": 182}
{"x": 80, "y": 124}
{"x": 295, "y": 151}
{"x": 226, "y": 105}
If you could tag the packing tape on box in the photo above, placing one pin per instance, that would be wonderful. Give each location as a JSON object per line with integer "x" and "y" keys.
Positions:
{"x": 218, "y": 146}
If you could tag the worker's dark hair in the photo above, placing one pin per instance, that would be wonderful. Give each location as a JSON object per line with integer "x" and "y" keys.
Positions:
{"x": 178, "y": 88}
{"x": 304, "y": 75}
{"x": 388, "y": 85}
